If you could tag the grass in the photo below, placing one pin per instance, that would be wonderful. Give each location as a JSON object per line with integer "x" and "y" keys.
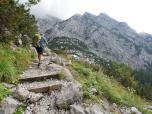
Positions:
{"x": 3, "y": 92}
{"x": 13, "y": 63}
{"x": 20, "y": 109}
{"x": 61, "y": 75}
{"x": 109, "y": 88}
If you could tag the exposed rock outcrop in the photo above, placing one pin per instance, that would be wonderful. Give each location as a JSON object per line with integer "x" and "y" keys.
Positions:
{"x": 111, "y": 39}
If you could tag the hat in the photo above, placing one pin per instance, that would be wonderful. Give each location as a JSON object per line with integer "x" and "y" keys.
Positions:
{"x": 42, "y": 34}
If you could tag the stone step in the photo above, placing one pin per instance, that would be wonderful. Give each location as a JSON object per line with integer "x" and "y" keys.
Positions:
{"x": 39, "y": 77}
{"x": 46, "y": 88}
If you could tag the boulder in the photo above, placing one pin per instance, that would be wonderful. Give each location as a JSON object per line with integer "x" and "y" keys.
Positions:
{"x": 87, "y": 109}
{"x": 57, "y": 59}
{"x": 47, "y": 49}
{"x": 33, "y": 49}
{"x": 93, "y": 90}
{"x": 54, "y": 55}
{"x": 66, "y": 62}
{"x": 35, "y": 97}
{"x": 69, "y": 94}
{"x": 54, "y": 68}
{"x": 76, "y": 109}
{"x": 44, "y": 54}
{"x": 35, "y": 60}
{"x": 49, "y": 53}
{"x": 134, "y": 110}
{"x": 21, "y": 93}
{"x": 148, "y": 106}
{"x": 9, "y": 86}
{"x": 18, "y": 40}
{"x": 13, "y": 47}
{"x": 96, "y": 109}
{"x": 114, "y": 105}
{"x": 9, "y": 106}
{"x": 27, "y": 40}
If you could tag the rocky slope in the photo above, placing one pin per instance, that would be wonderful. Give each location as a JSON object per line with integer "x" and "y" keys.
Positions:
{"x": 67, "y": 100}
{"x": 46, "y": 23}
{"x": 113, "y": 40}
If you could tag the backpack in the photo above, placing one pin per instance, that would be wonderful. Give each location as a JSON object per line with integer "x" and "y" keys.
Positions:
{"x": 36, "y": 40}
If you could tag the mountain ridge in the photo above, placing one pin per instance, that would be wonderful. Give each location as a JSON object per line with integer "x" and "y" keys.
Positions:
{"x": 116, "y": 41}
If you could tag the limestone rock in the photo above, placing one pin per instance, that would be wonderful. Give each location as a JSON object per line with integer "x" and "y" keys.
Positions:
{"x": 135, "y": 110}
{"x": 33, "y": 49}
{"x": 35, "y": 60}
{"x": 9, "y": 106}
{"x": 96, "y": 109}
{"x": 44, "y": 54}
{"x": 35, "y": 97}
{"x": 21, "y": 93}
{"x": 77, "y": 110}
{"x": 93, "y": 90}
{"x": 49, "y": 53}
{"x": 18, "y": 40}
{"x": 9, "y": 86}
{"x": 55, "y": 68}
{"x": 27, "y": 40}
{"x": 116, "y": 41}
{"x": 66, "y": 62}
{"x": 148, "y": 106}
{"x": 69, "y": 94}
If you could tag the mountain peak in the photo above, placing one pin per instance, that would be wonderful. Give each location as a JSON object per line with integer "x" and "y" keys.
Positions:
{"x": 104, "y": 15}
{"x": 89, "y": 14}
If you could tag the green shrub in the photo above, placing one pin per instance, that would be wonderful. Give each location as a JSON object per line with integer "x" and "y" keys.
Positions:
{"x": 33, "y": 55}
{"x": 7, "y": 72}
{"x": 20, "y": 109}
{"x": 86, "y": 94}
{"x": 85, "y": 71}
{"x": 58, "y": 51}
{"x": 65, "y": 107}
{"x": 12, "y": 62}
{"x": 61, "y": 75}
{"x": 3, "y": 92}
{"x": 105, "y": 87}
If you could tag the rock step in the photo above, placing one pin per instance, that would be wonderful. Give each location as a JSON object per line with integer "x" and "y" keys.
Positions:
{"x": 39, "y": 77}
{"x": 46, "y": 88}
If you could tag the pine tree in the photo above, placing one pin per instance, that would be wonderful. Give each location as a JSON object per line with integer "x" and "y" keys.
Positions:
{"x": 16, "y": 19}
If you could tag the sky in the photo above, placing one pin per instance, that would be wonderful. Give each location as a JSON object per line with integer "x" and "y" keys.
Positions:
{"x": 136, "y": 13}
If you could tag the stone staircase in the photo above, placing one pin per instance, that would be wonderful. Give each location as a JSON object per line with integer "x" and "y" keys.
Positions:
{"x": 48, "y": 88}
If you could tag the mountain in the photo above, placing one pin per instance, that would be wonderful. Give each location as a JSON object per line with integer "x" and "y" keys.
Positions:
{"x": 46, "y": 23}
{"x": 106, "y": 37}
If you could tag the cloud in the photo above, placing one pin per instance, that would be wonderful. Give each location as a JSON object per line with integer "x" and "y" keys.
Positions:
{"x": 55, "y": 8}
{"x": 134, "y": 12}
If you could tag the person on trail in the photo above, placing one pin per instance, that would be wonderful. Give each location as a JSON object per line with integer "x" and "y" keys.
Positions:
{"x": 43, "y": 43}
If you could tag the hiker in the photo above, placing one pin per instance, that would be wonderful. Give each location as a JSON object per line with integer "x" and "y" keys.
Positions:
{"x": 43, "y": 43}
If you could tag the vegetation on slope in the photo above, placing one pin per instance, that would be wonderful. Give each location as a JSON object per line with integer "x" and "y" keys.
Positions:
{"x": 139, "y": 80}
{"x": 92, "y": 76}
{"x": 15, "y": 19}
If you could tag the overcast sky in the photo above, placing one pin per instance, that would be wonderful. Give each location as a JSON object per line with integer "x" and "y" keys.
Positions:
{"x": 136, "y": 13}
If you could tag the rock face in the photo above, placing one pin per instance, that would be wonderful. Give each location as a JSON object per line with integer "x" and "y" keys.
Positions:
{"x": 47, "y": 23}
{"x": 113, "y": 40}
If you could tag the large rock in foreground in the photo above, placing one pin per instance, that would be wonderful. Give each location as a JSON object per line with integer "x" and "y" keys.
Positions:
{"x": 70, "y": 94}
{"x": 9, "y": 106}
{"x": 21, "y": 93}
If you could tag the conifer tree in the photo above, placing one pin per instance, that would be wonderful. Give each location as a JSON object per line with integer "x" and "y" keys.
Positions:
{"x": 16, "y": 19}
